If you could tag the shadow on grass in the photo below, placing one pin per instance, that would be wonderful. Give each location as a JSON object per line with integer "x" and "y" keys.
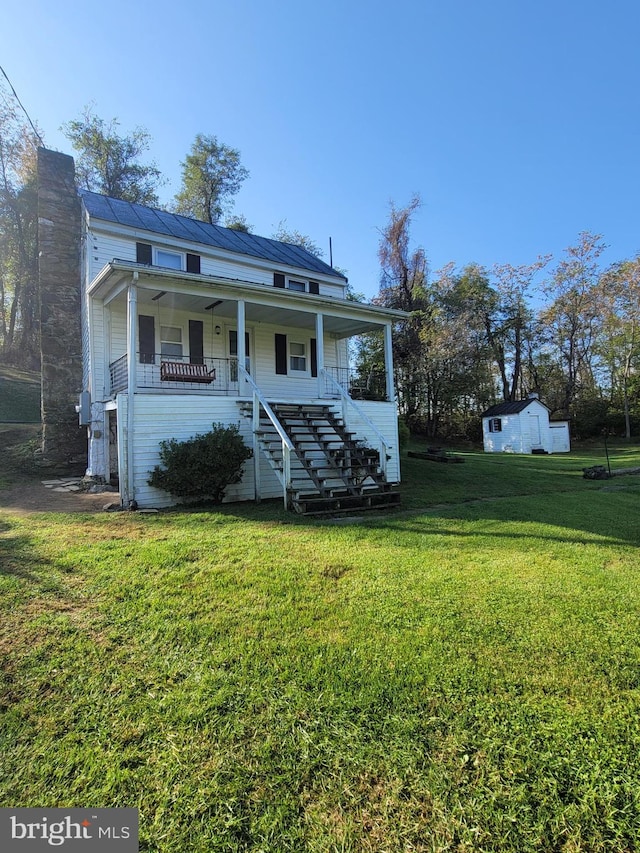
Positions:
{"x": 608, "y": 515}
{"x": 20, "y": 557}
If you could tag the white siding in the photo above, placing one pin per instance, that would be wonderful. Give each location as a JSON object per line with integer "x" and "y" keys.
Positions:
{"x": 98, "y": 343}
{"x": 295, "y": 385}
{"x": 560, "y": 441}
{"x": 384, "y": 417}
{"x": 103, "y": 248}
{"x": 234, "y": 270}
{"x": 160, "y": 417}
{"x": 508, "y": 440}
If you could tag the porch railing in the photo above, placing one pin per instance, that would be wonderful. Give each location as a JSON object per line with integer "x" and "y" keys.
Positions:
{"x": 153, "y": 370}
{"x": 359, "y": 385}
{"x": 349, "y": 403}
{"x": 287, "y": 447}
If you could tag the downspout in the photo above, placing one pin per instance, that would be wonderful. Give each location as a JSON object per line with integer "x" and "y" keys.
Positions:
{"x": 132, "y": 317}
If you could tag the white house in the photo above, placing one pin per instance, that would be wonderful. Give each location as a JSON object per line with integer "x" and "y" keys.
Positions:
{"x": 523, "y": 426}
{"x": 185, "y": 324}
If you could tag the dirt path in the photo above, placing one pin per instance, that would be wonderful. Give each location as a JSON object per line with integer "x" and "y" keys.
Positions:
{"x": 30, "y": 495}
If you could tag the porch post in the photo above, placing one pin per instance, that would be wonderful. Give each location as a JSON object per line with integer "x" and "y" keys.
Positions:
{"x": 132, "y": 321}
{"x": 242, "y": 350}
{"x": 320, "y": 351}
{"x": 388, "y": 362}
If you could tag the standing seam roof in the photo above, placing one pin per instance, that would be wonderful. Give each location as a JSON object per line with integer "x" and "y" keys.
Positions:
{"x": 183, "y": 228}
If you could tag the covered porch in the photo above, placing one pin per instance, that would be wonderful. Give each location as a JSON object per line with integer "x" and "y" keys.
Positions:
{"x": 170, "y": 332}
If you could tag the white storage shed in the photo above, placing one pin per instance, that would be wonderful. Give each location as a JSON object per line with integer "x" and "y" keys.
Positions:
{"x": 523, "y": 426}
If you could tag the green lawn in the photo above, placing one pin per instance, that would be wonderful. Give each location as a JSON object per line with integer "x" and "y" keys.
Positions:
{"x": 460, "y": 678}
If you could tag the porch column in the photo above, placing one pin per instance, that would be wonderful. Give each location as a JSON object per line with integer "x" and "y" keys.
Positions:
{"x": 242, "y": 350}
{"x": 132, "y": 322}
{"x": 320, "y": 352}
{"x": 388, "y": 362}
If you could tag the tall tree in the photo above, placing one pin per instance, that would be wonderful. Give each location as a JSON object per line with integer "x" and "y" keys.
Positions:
{"x": 109, "y": 163}
{"x": 620, "y": 342}
{"x": 513, "y": 288}
{"x": 211, "y": 175}
{"x": 19, "y": 330}
{"x": 573, "y": 317}
{"x": 403, "y": 284}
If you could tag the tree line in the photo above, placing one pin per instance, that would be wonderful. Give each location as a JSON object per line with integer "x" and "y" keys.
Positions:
{"x": 476, "y": 336}
{"x": 107, "y": 162}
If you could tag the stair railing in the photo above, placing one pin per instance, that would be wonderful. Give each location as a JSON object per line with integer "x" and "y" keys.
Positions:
{"x": 383, "y": 444}
{"x": 287, "y": 446}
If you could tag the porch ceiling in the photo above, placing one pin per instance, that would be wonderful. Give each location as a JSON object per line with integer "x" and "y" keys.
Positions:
{"x": 212, "y": 308}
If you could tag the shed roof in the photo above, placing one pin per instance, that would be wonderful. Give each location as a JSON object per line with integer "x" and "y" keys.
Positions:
{"x": 182, "y": 227}
{"x": 511, "y": 408}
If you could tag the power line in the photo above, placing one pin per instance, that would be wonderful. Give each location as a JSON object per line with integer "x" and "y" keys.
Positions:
{"x": 15, "y": 95}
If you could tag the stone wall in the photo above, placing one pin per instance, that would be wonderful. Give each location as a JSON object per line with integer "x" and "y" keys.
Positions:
{"x": 59, "y": 228}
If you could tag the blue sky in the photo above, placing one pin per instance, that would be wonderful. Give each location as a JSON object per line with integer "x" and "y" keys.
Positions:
{"x": 516, "y": 121}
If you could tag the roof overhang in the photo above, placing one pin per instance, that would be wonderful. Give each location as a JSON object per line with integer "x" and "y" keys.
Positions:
{"x": 199, "y": 293}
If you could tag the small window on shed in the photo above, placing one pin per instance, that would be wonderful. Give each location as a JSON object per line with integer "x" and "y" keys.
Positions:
{"x": 495, "y": 425}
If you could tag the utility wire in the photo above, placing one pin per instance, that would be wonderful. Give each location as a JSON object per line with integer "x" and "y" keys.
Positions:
{"x": 15, "y": 95}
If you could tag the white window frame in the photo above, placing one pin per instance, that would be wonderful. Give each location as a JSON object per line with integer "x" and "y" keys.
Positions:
{"x": 170, "y": 356}
{"x": 296, "y": 281}
{"x": 157, "y": 250}
{"x": 297, "y": 371}
{"x": 495, "y": 424}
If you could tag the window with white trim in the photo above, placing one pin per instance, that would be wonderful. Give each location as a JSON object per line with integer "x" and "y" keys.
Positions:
{"x": 297, "y": 356}
{"x": 171, "y": 341}
{"x": 166, "y": 258}
{"x": 495, "y": 424}
{"x": 295, "y": 284}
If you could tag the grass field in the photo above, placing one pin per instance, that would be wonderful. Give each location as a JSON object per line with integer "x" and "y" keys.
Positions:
{"x": 461, "y": 676}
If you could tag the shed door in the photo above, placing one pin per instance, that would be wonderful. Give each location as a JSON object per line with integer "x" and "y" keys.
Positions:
{"x": 534, "y": 430}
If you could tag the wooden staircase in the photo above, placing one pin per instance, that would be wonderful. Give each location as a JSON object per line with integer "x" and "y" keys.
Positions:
{"x": 331, "y": 472}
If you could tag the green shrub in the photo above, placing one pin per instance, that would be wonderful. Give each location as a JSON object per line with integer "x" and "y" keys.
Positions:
{"x": 201, "y": 467}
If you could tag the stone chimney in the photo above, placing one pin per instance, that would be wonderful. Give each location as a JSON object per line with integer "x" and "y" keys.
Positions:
{"x": 59, "y": 227}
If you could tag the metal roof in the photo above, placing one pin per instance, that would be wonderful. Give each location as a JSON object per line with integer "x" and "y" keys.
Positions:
{"x": 173, "y": 225}
{"x": 510, "y": 408}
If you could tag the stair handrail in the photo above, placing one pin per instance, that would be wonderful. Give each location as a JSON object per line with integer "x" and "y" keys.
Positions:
{"x": 287, "y": 444}
{"x": 384, "y": 444}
